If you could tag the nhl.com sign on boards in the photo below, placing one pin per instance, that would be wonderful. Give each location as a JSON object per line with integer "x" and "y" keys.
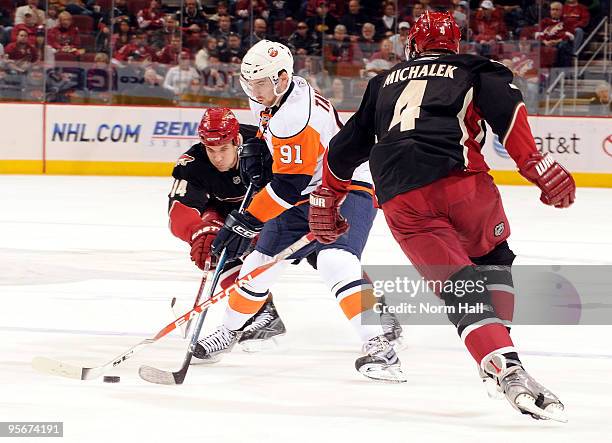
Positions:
{"x": 163, "y": 133}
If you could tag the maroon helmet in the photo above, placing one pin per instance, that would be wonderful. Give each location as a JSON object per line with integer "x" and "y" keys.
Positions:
{"x": 433, "y": 30}
{"x": 218, "y": 126}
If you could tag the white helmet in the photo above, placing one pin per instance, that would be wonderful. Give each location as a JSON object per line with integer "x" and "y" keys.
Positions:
{"x": 266, "y": 59}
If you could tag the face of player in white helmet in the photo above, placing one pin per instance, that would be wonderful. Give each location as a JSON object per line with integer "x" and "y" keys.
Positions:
{"x": 263, "y": 91}
{"x": 223, "y": 157}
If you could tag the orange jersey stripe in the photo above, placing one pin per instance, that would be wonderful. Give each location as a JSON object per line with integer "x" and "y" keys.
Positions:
{"x": 264, "y": 207}
{"x": 361, "y": 188}
{"x": 357, "y": 302}
{"x": 244, "y": 305}
{"x": 298, "y": 154}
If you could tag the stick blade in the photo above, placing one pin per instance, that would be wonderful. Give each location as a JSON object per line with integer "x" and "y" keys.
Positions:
{"x": 158, "y": 376}
{"x": 56, "y": 367}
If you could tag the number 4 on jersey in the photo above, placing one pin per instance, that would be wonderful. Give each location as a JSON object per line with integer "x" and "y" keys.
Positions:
{"x": 408, "y": 105}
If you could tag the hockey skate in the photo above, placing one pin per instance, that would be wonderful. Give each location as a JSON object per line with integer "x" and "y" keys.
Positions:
{"x": 380, "y": 362}
{"x": 523, "y": 392}
{"x": 392, "y": 329}
{"x": 211, "y": 348}
{"x": 261, "y": 332}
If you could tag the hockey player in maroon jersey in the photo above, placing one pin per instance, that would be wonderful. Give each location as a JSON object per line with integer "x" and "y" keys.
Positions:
{"x": 421, "y": 126}
{"x": 207, "y": 187}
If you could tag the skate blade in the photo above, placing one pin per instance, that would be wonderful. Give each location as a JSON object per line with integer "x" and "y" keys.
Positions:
{"x": 259, "y": 344}
{"x": 554, "y": 411}
{"x": 391, "y": 374}
{"x": 206, "y": 361}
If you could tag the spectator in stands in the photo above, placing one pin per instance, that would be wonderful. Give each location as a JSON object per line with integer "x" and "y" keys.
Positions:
{"x": 388, "y": 22}
{"x": 44, "y": 52}
{"x": 136, "y": 51}
{"x": 260, "y": 29}
{"x": 192, "y": 96}
{"x": 524, "y": 65}
{"x": 122, "y": 37}
{"x": 29, "y": 26}
{"x": 65, "y": 37}
{"x": 339, "y": 49}
{"x": 322, "y": 23}
{"x": 169, "y": 54}
{"x": 32, "y": 8}
{"x": 59, "y": 85}
{"x": 337, "y": 95}
{"x": 234, "y": 52}
{"x": 553, "y": 33}
{"x": 6, "y": 23}
{"x": 488, "y": 29}
{"x": 398, "y": 41}
{"x": 460, "y": 14}
{"x": 601, "y": 100}
{"x": 417, "y": 10}
{"x": 314, "y": 72}
{"x": 178, "y": 77}
{"x": 224, "y": 28}
{"x": 244, "y": 9}
{"x": 121, "y": 13}
{"x": 210, "y": 49}
{"x": 21, "y": 53}
{"x": 77, "y": 7}
{"x": 151, "y": 18}
{"x": 214, "y": 77}
{"x": 192, "y": 18}
{"x": 335, "y": 8}
{"x": 426, "y": 5}
{"x": 34, "y": 90}
{"x": 222, "y": 9}
{"x": 52, "y": 21}
{"x": 381, "y": 60}
{"x": 367, "y": 44}
{"x": 151, "y": 88}
{"x": 303, "y": 41}
{"x": 576, "y": 17}
{"x": 161, "y": 37}
{"x": 354, "y": 19}
{"x": 280, "y": 10}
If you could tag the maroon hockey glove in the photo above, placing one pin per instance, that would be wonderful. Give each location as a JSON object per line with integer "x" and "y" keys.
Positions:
{"x": 557, "y": 184}
{"x": 202, "y": 237}
{"x": 324, "y": 218}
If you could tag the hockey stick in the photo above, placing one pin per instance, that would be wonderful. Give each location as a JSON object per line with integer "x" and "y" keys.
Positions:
{"x": 154, "y": 375}
{"x": 207, "y": 266}
{"x": 160, "y": 376}
{"x": 55, "y": 367}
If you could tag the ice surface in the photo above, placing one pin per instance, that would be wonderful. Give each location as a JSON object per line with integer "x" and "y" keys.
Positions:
{"x": 88, "y": 268}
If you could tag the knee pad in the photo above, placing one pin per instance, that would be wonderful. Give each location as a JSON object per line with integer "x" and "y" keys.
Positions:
{"x": 467, "y": 298}
{"x": 496, "y": 268}
{"x": 501, "y": 255}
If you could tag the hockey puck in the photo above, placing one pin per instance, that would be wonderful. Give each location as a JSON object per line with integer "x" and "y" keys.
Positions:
{"x": 111, "y": 379}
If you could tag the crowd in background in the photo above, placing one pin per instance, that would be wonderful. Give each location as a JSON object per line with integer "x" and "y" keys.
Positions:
{"x": 187, "y": 51}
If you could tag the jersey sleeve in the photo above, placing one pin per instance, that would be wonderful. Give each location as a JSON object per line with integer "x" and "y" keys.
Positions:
{"x": 188, "y": 198}
{"x": 351, "y": 146}
{"x": 501, "y": 104}
{"x": 294, "y": 163}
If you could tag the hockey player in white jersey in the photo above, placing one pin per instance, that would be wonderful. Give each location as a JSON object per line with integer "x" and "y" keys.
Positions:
{"x": 296, "y": 125}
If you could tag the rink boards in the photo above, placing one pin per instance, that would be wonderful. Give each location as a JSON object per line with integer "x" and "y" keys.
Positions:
{"x": 145, "y": 141}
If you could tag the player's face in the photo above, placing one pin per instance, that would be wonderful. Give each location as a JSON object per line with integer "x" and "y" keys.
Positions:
{"x": 223, "y": 157}
{"x": 262, "y": 90}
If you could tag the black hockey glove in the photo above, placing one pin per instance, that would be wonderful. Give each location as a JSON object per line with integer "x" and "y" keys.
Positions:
{"x": 255, "y": 163}
{"x": 236, "y": 234}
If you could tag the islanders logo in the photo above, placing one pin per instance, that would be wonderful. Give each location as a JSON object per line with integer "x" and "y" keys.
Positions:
{"x": 272, "y": 52}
